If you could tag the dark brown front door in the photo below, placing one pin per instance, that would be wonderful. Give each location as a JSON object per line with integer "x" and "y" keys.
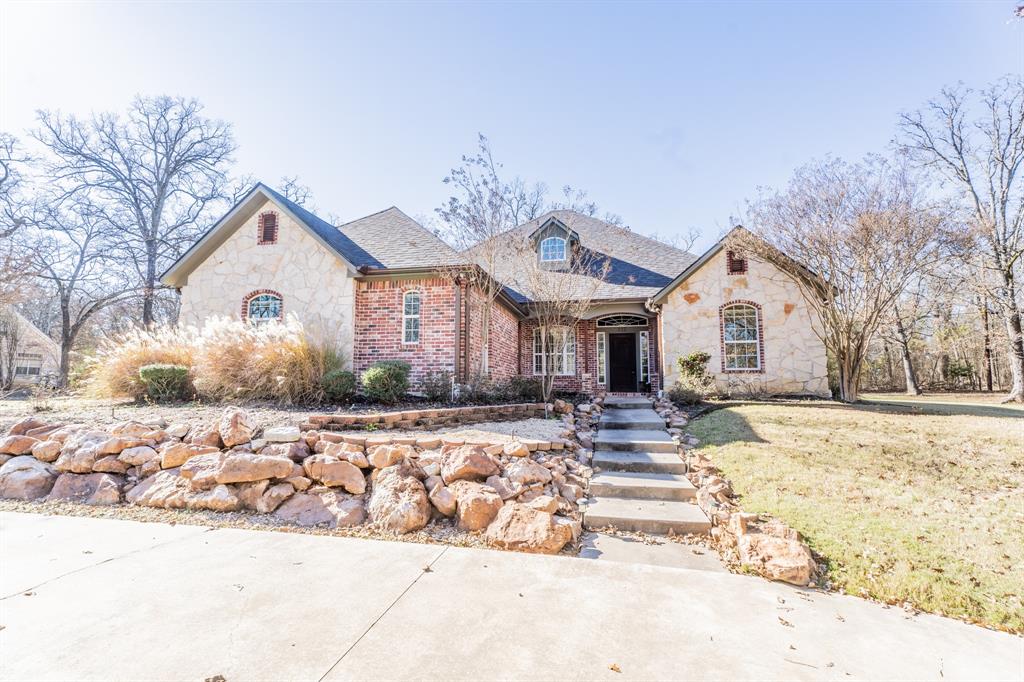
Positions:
{"x": 622, "y": 363}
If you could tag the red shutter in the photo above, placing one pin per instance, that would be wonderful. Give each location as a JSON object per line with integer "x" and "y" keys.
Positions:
{"x": 735, "y": 265}
{"x": 268, "y": 228}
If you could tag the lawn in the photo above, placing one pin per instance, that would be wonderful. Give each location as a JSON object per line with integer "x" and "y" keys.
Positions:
{"x": 906, "y": 507}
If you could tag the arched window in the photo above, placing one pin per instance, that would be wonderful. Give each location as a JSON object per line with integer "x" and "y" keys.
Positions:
{"x": 263, "y": 306}
{"x": 622, "y": 321}
{"x": 552, "y": 249}
{"x": 267, "y": 233}
{"x": 411, "y": 317}
{"x": 741, "y": 337}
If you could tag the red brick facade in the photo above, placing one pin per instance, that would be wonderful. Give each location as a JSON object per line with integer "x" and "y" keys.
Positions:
{"x": 451, "y": 318}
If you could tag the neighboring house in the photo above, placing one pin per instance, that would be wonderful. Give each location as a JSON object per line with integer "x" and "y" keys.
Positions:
{"x": 383, "y": 288}
{"x": 36, "y": 356}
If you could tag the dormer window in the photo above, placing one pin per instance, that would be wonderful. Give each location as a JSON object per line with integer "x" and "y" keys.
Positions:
{"x": 267, "y": 233}
{"x": 552, "y": 249}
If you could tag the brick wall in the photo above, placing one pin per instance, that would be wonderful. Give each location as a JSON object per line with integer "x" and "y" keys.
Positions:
{"x": 378, "y": 325}
{"x": 584, "y": 376}
{"x": 503, "y": 358}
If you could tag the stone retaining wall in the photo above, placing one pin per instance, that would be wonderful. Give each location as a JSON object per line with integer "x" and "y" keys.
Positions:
{"x": 426, "y": 418}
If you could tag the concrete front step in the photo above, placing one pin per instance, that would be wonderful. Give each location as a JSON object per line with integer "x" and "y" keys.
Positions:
{"x": 626, "y": 402}
{"x": 642, "y": 440}
{"x": 646, "y": 516}
{"x": 647, "y": 486}
{"x": 646, "y": 462}
{"x": 632, "y": 419}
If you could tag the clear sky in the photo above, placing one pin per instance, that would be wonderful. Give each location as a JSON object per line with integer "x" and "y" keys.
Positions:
{"x": 669, "y": 114}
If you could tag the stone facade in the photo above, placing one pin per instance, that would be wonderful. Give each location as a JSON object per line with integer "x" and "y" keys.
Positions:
{"x": 315, "y": 285}
{"x": 792, "y": 356}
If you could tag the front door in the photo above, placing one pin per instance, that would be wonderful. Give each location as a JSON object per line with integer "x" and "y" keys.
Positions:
{"x": 622, "y": 363}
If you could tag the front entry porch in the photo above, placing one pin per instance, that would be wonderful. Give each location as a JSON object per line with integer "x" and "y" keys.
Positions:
{"x": 624, "y": 352}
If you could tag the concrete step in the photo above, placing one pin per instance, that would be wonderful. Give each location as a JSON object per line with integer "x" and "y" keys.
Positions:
{"x": 637, "y": 485}
{"x": 646, "y": 462}
{"x": 642, "y": 440}
{"x": 632, "y": 419}
{"x": 647, "y": 516}
{"x": 626, "y": 403}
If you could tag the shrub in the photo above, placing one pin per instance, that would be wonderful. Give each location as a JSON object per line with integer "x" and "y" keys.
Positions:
{"x": 229, "y": 360}
{"x": 339, "y": 385}
{"x": 684, "y": 395}
{"x": 694, "y": 382}
{"x": 387, "y": 381}
{"x": 437, "y": 386}
{"x": 520, "y": 388}
{"x": 165, "y": 382}
{"x": 114, "y": 370}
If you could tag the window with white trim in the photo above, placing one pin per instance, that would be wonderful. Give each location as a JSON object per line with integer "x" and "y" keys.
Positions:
{"x": 645, "y": 357}
{"x": 555, "y": 350}
{"x": 602, "y": 354}
{"x": 552, "y": 249}
{"x": 411, "y": 317}
{"x": 740, "y": 340}
{"x": 264, "y": 308}
{"x": 28, "y": 364}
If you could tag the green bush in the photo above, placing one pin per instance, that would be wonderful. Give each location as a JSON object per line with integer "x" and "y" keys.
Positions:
{"x": 437, "y": 386}
{"x": 339, "y": 385}
{"x": 694, "y": 383}
{"x": 387, "y": 381}
{"x": 165, "y": 382}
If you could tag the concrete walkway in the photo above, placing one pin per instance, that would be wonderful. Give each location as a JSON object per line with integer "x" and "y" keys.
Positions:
{"x": 97, "y": 599}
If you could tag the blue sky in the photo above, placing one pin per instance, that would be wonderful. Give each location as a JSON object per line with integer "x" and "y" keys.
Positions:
{"x": 669, "y": 114}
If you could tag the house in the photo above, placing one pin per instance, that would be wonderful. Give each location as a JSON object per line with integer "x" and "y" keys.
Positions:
{"x": 384, "y": 287}
{"x": 33, "y": 359}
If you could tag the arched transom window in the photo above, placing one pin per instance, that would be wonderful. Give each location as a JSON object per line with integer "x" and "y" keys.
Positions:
{"x": 552, "y": 249}
{"x": 741, "y": 337}
{"x": 411, "y": 317}
{"x": 622, "y": 321}
{"x": 264, "y": 308}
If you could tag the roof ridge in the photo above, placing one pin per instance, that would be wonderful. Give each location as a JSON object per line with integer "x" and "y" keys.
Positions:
{"x": 370, "y": 215}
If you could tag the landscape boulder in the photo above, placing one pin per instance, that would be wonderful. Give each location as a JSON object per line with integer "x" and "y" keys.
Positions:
{"x": 443, "y": 499}
{"x": 110, "y": 465}
{"x": 398, "y": 502}
{"x": 777, "y": 558}
{"x": 179, "y": 453}
{"x": 240, "y": 467}
{"x": 467, "y": 463}
{"x": 26, "y": 478}
{"x": 81, "y": 451}
{"x": 201, "y": 471}
{"x": 476, "y": 504}
{"x": 348, "y": 452}
{"x": 17, "y": 445}
{"x": 93, "y": 489}
{"x": 516, "y": 449}
{"x": 235, "y": 427}
{"x": 334, "y": 472}
{"x": 139, "y": 455}
{"x": 383, "y": 456}
{"x": 20, "y": 428}
{"x": 46, "y": 450}
{"x": 282, "y": 434}
{"x": 322, "y": 507}
{"x": 523, "y": 528}
{"x": 525, "y": 471}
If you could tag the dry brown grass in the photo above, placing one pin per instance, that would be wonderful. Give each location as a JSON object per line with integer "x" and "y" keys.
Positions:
{"x": 229, "y": 361}
{"x": 925, "y": 509}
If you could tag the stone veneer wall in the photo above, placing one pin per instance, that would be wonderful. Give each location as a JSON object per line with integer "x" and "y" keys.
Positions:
{"x": 314, "y": 283}
{"x": 793, "y": 356}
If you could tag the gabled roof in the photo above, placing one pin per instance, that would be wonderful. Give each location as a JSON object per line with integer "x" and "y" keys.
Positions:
{"x": 640, "y": 266}
{"x": 692, "y": 268}
{"x": 350, "y": 253}
{"x": 398, "y": 241}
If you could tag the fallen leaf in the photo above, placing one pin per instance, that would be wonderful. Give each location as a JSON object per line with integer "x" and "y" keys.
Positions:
{"x": 785, "y": 622}
{"x": 614, "y": 667}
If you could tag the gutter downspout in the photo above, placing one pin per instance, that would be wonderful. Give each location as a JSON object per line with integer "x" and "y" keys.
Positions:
{"x": 458, "y": 328}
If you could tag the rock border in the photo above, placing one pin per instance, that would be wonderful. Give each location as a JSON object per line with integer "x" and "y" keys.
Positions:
{"x": 428, "y": 418}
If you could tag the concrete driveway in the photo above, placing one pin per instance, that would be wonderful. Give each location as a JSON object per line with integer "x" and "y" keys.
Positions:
{"x": 105, "y": 599}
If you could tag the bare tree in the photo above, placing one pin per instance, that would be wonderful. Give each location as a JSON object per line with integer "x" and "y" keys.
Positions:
{"x": 152, "y": 173}
{"x": 851, "y": 236}
{"x": 16, "y": 212}
{"x": 74, "y": 260}
{"x": 559, "y": 298}
{"x": 10, "y": 341}
{"x": 981, "y": 159}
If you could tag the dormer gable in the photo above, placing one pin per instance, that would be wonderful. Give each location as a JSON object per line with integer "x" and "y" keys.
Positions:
{"x": 554, "y": 243}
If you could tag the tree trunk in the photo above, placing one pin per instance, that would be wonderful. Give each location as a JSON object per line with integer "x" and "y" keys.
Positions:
{"x": 149, "y": 286}
{"x": 1016, "y": 334}
{"x": 849, "y": 379}
{"x": 987, "y": 353}
{"x": 908, "y": 364}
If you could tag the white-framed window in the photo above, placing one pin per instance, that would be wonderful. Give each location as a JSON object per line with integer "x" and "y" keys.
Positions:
{"x": 552, "y": 249}
{"x": 555, "y": 350}
{"x": 28, "y": 364}
{"x": 740, "y": 338}
{"x": 264, "y": 308}
{"x": 411, "y": 301}
{"x": 645, "y": 357}
{"x": 602, "y": 354}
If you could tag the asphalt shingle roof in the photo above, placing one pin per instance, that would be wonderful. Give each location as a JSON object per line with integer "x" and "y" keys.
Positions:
{"x": 397, "y": 241}
{"x": 639, "y": 266}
